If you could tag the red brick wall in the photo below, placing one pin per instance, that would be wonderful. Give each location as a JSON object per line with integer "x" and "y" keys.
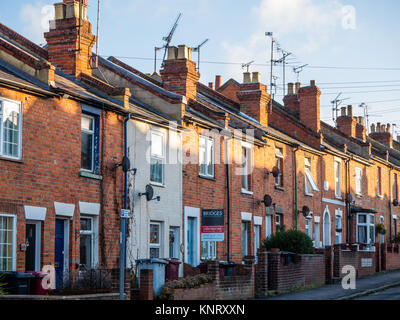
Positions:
{"x": 203, "y": 292}
{"x": 392, "y": 257}
{"x": 353, "y": 257}
{"x": 49, "y": 172}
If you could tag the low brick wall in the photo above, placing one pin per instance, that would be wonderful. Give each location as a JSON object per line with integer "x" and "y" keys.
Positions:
{"x": 314, "y": 269}
{"x": 363, "y": 261}
{"x": 203, "y": 292}
{"x": 390, "y": 257}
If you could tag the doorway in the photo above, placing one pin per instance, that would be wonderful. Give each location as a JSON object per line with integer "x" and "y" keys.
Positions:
{"x": 32, "y": 254}
{"x": 61, "y": 250}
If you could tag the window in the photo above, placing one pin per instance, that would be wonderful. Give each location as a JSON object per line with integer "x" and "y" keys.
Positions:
{"x": 7, "y": 243}
{"x": 310, "y": 184}
{"x": 378, "y": 183}
{"x": 366, "y": 228}
{"x": 10, "y": 129}
{"x": 309, "y": 227}
{"x": 155, "y": 240}
{"x": 394, "y": 227}
{"x": 256, "y": 241}
{"x": 338, "y": 193}
{"x": 338, "y": 227}
{"x": 245, "y": 227}
{"x": 208, "y": 250}
{"x": 157, "y": 159}
{"x": 278, "y": 222}
{"x": 268, "y": 226}
{"x": 174, "y": 242}
{"x": 279, "y": 165}
{"x": 246, "y": 169}
{"x": 316, "y": 235}
{"x": 87, "y": 236}
{"x": 358, "y": 181}
{"x": 206, "y": 156}
{"x": 395, "y": 189}
{"x": 382, "y": 236}
{"x": 90, "y": 143}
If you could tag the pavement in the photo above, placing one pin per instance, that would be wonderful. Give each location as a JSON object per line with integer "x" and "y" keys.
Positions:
{"x": 382, "y": 282}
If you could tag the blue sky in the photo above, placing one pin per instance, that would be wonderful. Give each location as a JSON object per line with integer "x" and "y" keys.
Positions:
{"x": 325, "y": 34}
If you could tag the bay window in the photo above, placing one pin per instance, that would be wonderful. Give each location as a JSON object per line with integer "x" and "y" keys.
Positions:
{"x": 157, "y": 157}
{"x": 10, "y": 129}
{"x": 366, "y": 228}
{"x": 206, "y": 156}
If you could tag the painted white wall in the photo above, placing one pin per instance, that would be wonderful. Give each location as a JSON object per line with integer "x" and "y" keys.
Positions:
{"x": 168, "y": 211}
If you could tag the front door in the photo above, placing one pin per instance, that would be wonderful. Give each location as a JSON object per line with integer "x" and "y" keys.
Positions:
{"x": 59, "y": 252}
{"x": 190, "y": 240}
{"x": 256, "y": 241}
{"x": 30, "y": 255}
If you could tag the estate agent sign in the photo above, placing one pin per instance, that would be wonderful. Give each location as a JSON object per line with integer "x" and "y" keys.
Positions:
{"x": 212, "y": 225}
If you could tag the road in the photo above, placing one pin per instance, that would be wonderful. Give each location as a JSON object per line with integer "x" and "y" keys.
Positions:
{"x": 388, "y": 294}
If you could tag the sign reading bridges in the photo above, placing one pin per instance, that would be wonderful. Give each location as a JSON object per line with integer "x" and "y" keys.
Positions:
{"x": 212, "y": 225}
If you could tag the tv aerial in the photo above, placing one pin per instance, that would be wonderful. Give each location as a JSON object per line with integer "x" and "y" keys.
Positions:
{"x": 197, "y": 49}
{"x": 299, "y": 69}
{"x": 167, "y": 40}
{"x": 247, "y": 65}
{"x": 335, "y": 106}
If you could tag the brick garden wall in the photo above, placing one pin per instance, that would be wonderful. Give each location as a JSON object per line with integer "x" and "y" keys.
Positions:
{"x": 391, "y": 257}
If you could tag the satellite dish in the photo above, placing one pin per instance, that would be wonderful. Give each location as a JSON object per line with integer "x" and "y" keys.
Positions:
{"x": 306, "y": 211}
{"x": 395, "y": 202}
{"x": 275, "y": 171}
{"x": 267, "y": 200}
{"x": 126, "y": 164}
{"x": 149, "y": 192}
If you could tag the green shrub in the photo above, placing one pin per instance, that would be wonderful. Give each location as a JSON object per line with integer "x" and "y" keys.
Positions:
{"x": 2, "y": 286}
{"x": 380, "y": 228}
{"x": 292, "y": 241}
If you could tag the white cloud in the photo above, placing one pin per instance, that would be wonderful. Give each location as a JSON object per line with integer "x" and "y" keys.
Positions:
{"x": 36, "y": 20}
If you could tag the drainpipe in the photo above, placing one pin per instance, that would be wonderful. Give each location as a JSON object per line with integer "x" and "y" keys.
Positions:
{"x": 295, "y": 181}
{"x": 348, "y": 213}
{"x": 124, "y": 220}
{"x": 390, "y": 203}
{"x": 228, "y": 197}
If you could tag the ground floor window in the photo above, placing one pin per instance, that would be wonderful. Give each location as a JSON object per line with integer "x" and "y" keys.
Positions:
{"x": 155, "y": 240}
{"x": 7, "y": 243}
{"x": 338, "y": 227}
{"x": 208, "y": 250}
{"x": 268, "y": 226}
{"x": 394, "y": 230}
{"x": 245, "y": 240}
{"x": 278, "y": 222}
{"x": 174, "y": 242}
{"x": 365, "y": 228}
{"x": 382, "y": 236}
{"x": 87, "y": 238}
{"x": 316, "y": 235}
{"x": 309, "y": 227}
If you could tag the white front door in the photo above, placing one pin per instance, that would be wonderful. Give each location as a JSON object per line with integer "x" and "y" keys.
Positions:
{"x": 327, "y": 228}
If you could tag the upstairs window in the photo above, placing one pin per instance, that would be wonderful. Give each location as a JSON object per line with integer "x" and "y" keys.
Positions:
{"x": 358, "y": 181}
{"x": 206, "y": 156}
{"x": 395, "y": 187}
{"x": 157, "y": 157}
{"x": 378, "y": 182}
{"x": 90, "y": 141}
{"x": 338, "y": 180}
{"x": 310, "y": 184}
{"x": 279, "y": 165}
{"x": 10, "y": 129}
{"x": 246, "y": 168}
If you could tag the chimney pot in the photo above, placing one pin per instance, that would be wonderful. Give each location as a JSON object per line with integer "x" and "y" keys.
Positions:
{"x": 217, "y": 82}
{"x": 372, "y": 127}
{"x": 388, "y": 127}
{"x": 297, "y": 87}
{"x": 246, "y": 77}
{"x": 184, "y": 52}
{"x": 290, "y": 88}
{"x": 172, "y": 53}
{"x": 378, "y": 127}
{"x": 350, "y": 110}
{"x": 256, "y": 77}
{"x": 211, "y": 85}
{"x": 312, "y": 83}
{"x": 343, "y": 111}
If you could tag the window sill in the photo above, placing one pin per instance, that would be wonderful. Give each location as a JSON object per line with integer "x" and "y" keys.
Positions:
{"x": 207, "y": 177}
{"x": 159, "y": 185}
{"x": 11, "y": 159}
{"x": 359, "y": 195}
{"x": 90, "y": 175}
{"x": 308, "y": 194}
{"x": 279, "y": 188}
{"x": 379, "y": 196}
{"x": 338, "y": 197}
{"x": 244, "y": 191}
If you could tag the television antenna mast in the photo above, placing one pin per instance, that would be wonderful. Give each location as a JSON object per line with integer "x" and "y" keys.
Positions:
{"x": 297, "y": 70}
{"x": 247, "y": 65}
{"x": 197, "y": 49}
{"x": 167, "y": 40}
{"x": 283, "y": 61}
{"x": 366, "y": 115}
{"x": 335, "y": 106}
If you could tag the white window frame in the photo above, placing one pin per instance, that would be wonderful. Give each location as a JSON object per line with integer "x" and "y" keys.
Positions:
{"x": 209, "y": 150}
{"x": 14, "y": 240}
{"x": 395, "y": 187}
{"x": 2, "y": 108}
{"x": 367, "y": 224}
{"x": 316, "y": 234}
{"x": 245, "y": 237}
{"x": 158, "y": 157}
{"x": 338, "y": 222}
{"x": 246, "y": 165}
{"x": 358, "y": 178}
{"x": 382, "y": 236}
{"x": 338, "y": 178}
{"x": 310, "y": 184}
{"x": 268, "y": 226}
{"x": 379, "y": 181}
{"x": 278, "y": 221}
{"x": 160, "y": 242}
{"x": 94, "y": 237}
{"x": 279, "y": 165}
{"x": 309, "y": 227}
{"x": 211, "y": 250}
{"x": 92, "y": 133}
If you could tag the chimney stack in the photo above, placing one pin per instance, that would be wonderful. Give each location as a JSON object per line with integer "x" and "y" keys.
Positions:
{"x": 217, "y": 82}
{"x": 70, "y": 46}
{"x": 349, "y": 125}
{"x": 179, "y": 72}
{"x": 309, "y": 106}
{"x": 211, "y": 85}
{"x": 382, "y": 134}
{"x": 291, "y": 100}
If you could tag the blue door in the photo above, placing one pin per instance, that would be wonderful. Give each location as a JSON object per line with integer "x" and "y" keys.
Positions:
{"x": 190, "y": 240}
{"x": 59, "y": 252}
